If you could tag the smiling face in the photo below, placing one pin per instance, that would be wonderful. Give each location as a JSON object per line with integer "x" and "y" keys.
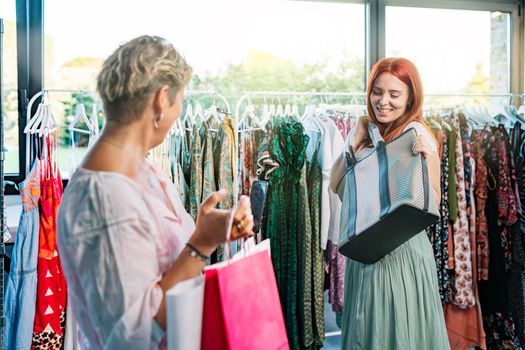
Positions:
{"x": 389, "y": 98}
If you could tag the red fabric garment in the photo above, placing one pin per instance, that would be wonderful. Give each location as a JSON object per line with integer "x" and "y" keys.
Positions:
{"x": 482, "y": 228}
{"x": 451, "y": 261}
{"x": 507, "y": 211}
{"x": 465, "y": 326}
{"x": 343, "y": 125}
{"x": 51, "y": 298}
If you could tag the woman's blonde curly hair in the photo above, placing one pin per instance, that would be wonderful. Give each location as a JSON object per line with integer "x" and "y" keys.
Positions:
{"x": 135, "y": 71}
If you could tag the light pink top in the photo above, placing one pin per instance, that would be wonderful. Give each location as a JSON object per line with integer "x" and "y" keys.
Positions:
{"x": 116, "y": 239}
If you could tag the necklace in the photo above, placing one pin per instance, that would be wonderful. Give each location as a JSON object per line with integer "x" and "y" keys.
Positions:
{"x": 135, "y": 158}
{"x": 138, "y": 161}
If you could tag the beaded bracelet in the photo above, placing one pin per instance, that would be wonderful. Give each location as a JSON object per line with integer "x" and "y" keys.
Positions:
{"x": 194, "y": 252}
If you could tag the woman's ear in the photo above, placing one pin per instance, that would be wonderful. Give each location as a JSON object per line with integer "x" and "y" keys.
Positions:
{"x": 161, "y": 99}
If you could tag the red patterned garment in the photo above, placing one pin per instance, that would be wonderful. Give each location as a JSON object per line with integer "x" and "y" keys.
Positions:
{"x": 48, "y": 330}
{"x": 507, "y": 211}
{"x": 482, "y": 227}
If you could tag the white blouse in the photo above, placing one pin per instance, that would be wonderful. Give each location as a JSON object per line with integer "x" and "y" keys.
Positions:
{"x": 116, "y": 239}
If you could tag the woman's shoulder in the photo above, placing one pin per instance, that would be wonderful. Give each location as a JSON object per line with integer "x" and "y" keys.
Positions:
{"x": 85, "y": 181}
{"x": 419, "y": 126}
{"x": 101, "y": 203}
{"x": 421, "y": 129}
{"x": 101, "y": 194}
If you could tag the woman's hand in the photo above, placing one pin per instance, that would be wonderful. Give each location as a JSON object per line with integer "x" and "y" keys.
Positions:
{"x": 361, "y": 130}
{"x": 421, "y": 147}
{"x": 212, "y": 223}
{"x": 242, "y": 220}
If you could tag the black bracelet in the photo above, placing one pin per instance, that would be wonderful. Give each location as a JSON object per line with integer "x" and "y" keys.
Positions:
{"x": 194, "y": 252}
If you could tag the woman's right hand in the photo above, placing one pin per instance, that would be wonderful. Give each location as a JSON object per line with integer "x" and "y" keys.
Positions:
{"x": 212, "y": 224}
{"x": 361, "y": 130}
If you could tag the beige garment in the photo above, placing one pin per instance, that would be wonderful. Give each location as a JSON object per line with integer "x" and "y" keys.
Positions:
{"x": 116, "y": 238}
{"x": 463, "y": 295}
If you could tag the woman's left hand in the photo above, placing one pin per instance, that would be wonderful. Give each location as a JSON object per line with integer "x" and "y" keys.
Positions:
{"x": 242, "y": 220}
{"x": 420, "y": 146}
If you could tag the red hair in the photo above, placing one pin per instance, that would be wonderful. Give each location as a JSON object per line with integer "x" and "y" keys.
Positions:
{"x": 407, "y": 72}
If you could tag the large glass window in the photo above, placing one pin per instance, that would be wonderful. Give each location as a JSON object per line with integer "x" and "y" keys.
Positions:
{"x": 10, "y": 81}
{"x": 456, "y": 51}
{"x": 231, "y": 43}
{"x": 234, "y": 46}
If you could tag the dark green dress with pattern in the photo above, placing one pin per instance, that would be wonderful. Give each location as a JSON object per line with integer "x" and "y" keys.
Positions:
{"x": 293, "y": 231}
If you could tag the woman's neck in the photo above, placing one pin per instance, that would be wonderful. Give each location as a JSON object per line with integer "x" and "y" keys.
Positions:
{"x": 132, "y": 138}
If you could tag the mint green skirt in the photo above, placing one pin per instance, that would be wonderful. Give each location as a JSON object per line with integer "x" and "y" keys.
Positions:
{"x": 394, "y": 303}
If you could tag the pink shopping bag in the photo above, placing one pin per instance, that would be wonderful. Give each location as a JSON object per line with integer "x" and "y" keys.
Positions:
{"x": 242, "y": 309}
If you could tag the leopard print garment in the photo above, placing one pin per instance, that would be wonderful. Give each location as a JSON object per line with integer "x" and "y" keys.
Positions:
{"x": 50, "y": 340}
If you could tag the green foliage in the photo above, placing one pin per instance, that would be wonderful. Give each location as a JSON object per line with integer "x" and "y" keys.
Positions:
{"x": 263, "y": 71}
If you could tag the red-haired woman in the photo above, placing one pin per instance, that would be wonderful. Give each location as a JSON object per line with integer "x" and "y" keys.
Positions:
{"x": 394, "y": 303}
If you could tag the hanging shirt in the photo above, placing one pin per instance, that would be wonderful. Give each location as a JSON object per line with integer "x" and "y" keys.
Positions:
{"x": 117, "y": 237}
{"x": 20, "y": 297}
{"x": 336, "y": 146}
{"x": 463, "y": 295}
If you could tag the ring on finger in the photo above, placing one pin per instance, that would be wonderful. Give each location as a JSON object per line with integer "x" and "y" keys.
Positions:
{"x": 240, "y": 226}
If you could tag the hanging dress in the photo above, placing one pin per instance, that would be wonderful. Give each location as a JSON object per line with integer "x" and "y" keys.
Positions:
{"x": 288, "y": 218}
{"x": 51, "y": 298}
{"x": 20, "y": 296}
{"x": 394, "y": 303}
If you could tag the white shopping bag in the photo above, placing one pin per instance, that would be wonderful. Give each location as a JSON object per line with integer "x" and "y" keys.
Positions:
{"x": 184, "y": 311}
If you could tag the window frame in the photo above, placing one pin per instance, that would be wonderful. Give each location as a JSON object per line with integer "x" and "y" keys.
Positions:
{"x": 30, "y": 45}
{"x": 514, "y": 8}
{"x": 30, "y": 62}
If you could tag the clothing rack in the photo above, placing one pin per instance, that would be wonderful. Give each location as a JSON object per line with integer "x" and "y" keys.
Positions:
{"x": 3, "y": 219}
{"x": 29, "y": 107}
{"x": 273, "y": 94}
{"x": 263, "y": 94}
{"x": 212, "y": 93}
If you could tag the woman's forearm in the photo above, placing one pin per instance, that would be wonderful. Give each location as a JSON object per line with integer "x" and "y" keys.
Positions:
{"x": 184, "y": 268}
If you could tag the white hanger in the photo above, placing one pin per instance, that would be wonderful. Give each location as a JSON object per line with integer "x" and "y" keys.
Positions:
{"x": 94, "y": 121}
{"x": 44, "y": 122}
{"x": 272, "y": 112}
{"x": 521, "y": 110}
{"x": 36, "y": 120}
{"x": 250, "y": 114}
{"x": 198, "y": 113}
{"x": 94, "y": 131}
{"x": 287, "y": 110}
{"x": 48, "y": 122}
{"x": 309, "y": 112}
{"x": 80, "y": 114}
{"x": 179, "y": 130}
{"x": 511, "y": 109}
{"x": 265, "y": 111}
{"x": 295, "y": 112}
{"x": 188, "y": 116}
{"x": 280, "y": 111}
{"x": 32, "y": 120}
{"x": 212, "y": 113}
{"x": 242, "y": 122}
{"x": 500, "y": 111}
